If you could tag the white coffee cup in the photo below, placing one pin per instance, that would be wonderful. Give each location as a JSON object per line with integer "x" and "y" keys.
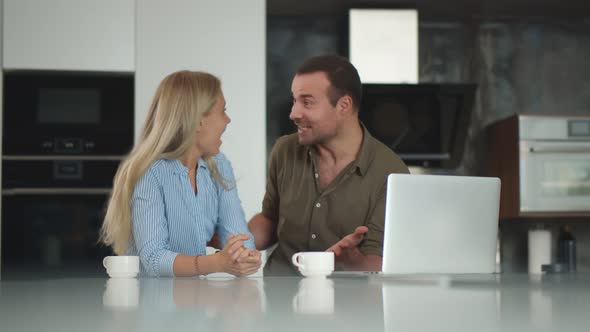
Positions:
{"x": 314, "y": 263}
{"x": 315, "y": 296}
{"x": 121, "y": 266}
{"x": 121, "y": 293}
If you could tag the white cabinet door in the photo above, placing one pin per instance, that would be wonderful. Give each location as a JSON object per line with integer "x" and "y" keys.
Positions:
{"x": 86, "y": 35}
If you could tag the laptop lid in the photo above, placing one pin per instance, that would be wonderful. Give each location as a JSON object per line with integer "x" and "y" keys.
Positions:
{"x": 440, "y": 224}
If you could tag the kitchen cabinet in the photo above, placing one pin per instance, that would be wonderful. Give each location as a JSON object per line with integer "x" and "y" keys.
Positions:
{"x": 83, "y": 35}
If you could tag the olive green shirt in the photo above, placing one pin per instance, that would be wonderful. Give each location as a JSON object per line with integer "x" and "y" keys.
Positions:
{"x": 311, "y": 219}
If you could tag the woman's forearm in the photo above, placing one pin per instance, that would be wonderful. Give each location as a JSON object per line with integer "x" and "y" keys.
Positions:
{"x": 187, "y": 266}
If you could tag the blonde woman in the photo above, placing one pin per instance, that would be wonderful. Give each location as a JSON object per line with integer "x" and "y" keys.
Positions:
{"x": 175, "y": 189}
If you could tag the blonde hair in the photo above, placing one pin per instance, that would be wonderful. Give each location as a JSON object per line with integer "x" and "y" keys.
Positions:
{"x": 181, "y": 100}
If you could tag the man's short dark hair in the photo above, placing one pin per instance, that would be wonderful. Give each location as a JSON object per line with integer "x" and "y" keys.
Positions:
{"x": 343, "y": 77}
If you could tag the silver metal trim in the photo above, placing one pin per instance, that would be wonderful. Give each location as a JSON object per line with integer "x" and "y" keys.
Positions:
{"x": 62, "y": 157}
{"x": 56, "y": 191}
{"x": 581, "y": 149}
{"x": 418, "y": 156}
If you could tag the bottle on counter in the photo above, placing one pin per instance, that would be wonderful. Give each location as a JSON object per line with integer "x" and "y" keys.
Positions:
{"x": 566, "y": 248}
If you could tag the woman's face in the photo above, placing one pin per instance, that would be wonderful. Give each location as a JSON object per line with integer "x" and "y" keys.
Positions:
{"x": 212, "y": 127}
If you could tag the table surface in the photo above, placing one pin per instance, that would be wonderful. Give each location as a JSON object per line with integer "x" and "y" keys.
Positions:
{"x": 509, "y": 302}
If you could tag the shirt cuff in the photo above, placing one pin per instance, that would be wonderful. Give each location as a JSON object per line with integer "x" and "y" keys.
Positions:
{"x": 249, "y": 244}
{"x": 166, "y": 264}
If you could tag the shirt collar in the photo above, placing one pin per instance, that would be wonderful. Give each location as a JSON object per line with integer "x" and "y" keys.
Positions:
{"x": 178, "y": 166}
{"x": 365, "y": 155}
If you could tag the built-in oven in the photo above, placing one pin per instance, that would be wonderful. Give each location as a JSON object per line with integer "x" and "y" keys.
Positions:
{"x": 64, "y": 137}
{"x": 52, "y": 232}
{"x": 554, "y": 164}
{"x": 544, "y": 164}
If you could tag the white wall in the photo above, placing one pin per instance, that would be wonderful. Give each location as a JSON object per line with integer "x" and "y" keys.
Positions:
{"x": 84, "y": 35}
{"x": 228, "y": 39}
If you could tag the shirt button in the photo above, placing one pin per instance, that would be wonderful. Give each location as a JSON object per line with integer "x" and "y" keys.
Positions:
{"x": 313, "y": 236}
{"x": 318, "y": 204}
{"x": 317, "y": 175}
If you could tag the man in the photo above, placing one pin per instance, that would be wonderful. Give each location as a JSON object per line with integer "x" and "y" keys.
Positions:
{"x": 326, "y": 184}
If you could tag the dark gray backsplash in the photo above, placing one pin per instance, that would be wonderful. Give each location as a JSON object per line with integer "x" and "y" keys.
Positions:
{"x": 519, "y": 67}
{"x": 289, "y": 42}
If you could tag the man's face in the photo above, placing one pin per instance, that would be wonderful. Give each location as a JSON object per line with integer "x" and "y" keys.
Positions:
{"x": 315, "y": 117}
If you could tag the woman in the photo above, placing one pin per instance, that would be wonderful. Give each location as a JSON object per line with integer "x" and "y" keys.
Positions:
{"x": 175, "y": 189}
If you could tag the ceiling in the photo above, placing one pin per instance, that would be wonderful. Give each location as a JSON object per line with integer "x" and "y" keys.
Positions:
{"x": 444, "y": 9}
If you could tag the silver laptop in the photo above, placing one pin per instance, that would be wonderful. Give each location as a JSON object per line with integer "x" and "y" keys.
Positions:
{"x": 439, "y": 224}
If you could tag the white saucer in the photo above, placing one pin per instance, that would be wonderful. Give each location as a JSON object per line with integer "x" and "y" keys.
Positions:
{"x": 123, "y": 274}
{"x": 316, "y": 273}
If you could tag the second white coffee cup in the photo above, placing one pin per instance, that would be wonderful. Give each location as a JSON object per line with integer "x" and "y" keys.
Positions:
{"x": 315, "y": 296}
{"x": 314, "y": 263}
{"x": 121, "y": 266}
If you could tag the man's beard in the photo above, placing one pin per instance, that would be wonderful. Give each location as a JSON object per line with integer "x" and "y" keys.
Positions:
{"x": 314, "y": 139}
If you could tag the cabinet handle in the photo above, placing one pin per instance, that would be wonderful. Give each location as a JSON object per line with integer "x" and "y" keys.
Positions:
{"x": 62, "y": 157}
{"x": 56, "y": 191}
{"x": 559, "y": 150}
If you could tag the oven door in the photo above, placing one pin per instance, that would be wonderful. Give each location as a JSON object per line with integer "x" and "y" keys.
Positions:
{"x": 554, "y": 176}
{"x": 67, "y": 113}
{"x": 52, "y": 232}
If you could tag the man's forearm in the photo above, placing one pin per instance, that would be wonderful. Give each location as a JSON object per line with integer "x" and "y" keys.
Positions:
{"x": 264, "y": 231}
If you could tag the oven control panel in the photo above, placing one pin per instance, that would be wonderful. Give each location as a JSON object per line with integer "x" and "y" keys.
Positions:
{"x": 68, "y": 146}
{"x": 578, "y": 128}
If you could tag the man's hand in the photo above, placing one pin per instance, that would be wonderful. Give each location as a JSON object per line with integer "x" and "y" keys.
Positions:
{"x": 348, "y": 255}
{"x": 250, "y": 260}
{"x": 246, "y": 263}
{"x": 237, "y": 260}
{"x": 350, "y": 241}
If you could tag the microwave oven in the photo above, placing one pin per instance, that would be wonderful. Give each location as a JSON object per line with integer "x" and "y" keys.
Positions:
{"x": 544, "y": 164}
{"x": 68, "y": 113}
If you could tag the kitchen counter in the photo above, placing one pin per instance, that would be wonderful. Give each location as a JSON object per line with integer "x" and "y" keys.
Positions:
{"x": 511, "y": 302}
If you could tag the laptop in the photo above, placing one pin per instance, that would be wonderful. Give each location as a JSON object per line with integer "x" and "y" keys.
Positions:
{"x": 439, "y": 224}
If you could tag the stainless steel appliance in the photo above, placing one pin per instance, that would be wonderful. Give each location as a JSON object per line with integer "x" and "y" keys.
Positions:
{"x": 544, "y": 164}
{"x": 64, "y": 137}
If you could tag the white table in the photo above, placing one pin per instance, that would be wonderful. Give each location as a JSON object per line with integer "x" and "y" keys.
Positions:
{"x": 404, "y": 303}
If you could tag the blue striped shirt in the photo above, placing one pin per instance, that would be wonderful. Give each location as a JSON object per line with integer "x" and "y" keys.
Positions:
{"x": 169, "y": 219}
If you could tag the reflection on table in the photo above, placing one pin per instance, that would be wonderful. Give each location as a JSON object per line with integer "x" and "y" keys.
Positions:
{"x": 402, "y": 303}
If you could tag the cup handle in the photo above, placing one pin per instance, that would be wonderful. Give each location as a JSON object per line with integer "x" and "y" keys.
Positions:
{"x": 295, "y": 260}
{"x": 104, "y": 262}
